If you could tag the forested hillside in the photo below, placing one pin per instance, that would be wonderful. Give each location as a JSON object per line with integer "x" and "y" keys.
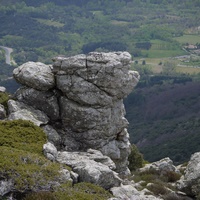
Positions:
{"x": 164, "y": 109}
{"x": 164, "y": 119}
{"x": 39, "y": 30}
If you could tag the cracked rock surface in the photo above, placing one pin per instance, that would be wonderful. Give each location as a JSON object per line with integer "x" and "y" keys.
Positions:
{"x": 82, "y": 99}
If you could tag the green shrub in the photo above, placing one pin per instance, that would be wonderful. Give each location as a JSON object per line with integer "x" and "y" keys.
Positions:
{"x": 173, "y": 196}
{"x": 158, "y": 188}
{"x": 22, "y": 135}
{"x": 135, "y": 158}
{"x": 159, "y": 183}
{"x": 21, "y": 156}
{"x": 40, "y": 196}
{"x": 4, "y": 97}
{"x": 27, "y": 170}
{"x": 172, "y": 176}
{"x": 82, "y": 191}
{"x": 148, "y": 176}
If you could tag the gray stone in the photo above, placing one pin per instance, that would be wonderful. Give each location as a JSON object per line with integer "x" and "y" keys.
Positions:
{"x": 74, "y": 177}
{"x": 19, "y": 110}
{"x": 162, "y": 166}
{"x": 52, "y": 135}
{"x": 83, "y": 97}
{"x": 65, "y": 176}
{"x": 92, "y": 167}
{"x": 190, "y": 182}
{"x": 97, "y": 173}
{"x": 2, "y": 112}
{"x": 45, "y": 101}
{"x": 36, "y": 75}
{"x": 82, "y": 91}
{"x": 50, "y": 151}
{"x": 6, "y": 186}
{"x": 72, "y": 158}
{"x": 2, "y": 89}
{"x": 128, "y": 192}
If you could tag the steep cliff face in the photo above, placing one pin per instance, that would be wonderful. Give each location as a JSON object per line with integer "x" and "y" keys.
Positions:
{"x": 79, "y": 102}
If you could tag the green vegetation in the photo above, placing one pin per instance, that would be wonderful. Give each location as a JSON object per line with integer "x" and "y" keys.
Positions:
{"x": 21, "y": 155}
{"x": 22, "y": 160}
{"x": 128, "y": 22}
{"x": 146, "y": 29}
{"x": 80, "y": 191}
{"x": 188, "y": 39}
{"x": 153, "y": 31}
{"x": 135, "y": 159}
{"x": 163, "y": 115}
{"x": 4, "y": 97}
{"x": 156, "y": 182}
{"x": 22, "y": 135}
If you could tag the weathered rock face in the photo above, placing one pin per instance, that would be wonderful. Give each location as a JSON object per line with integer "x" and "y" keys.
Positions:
{"x": 35, "y": 75}
{"x": 190, "y": 182}
{"x": 162, "y": 166}
{"x": 91, "y": 166}
{"x": 82, "y": 96}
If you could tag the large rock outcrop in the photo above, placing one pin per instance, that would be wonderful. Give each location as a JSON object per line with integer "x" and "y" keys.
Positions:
{"x": 82, "y": 98}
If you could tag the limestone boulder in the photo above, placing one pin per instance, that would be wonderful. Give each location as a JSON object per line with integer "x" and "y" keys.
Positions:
{"x": 190, "y": 182}
{"x": 162, "y": 166}
{"x": 50, "y": 151}
{"x": 19, "y": 110}
{"x": 2, "y": 89}
{"x": 128, "y": 192}
{"x": 82, "y": 98}
{"x": 91, "y": 166}
{"x": 6, "y": 186}
{"x": 36, "y": 75}
{"x": 45, "y": 101}
{"x": 52, "y": 135}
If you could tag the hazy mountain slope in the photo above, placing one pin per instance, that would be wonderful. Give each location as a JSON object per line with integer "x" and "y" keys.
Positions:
{"x": 165, "y": 120}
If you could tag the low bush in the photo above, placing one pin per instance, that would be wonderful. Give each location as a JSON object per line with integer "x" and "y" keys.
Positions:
{"x": 172, "y": 176}
{"x": 174, "y": 196}
{"x": 4, "y": 97}
{"x": 80, "y": 191}
{"x": 22, "y": 135}
{"x": 155, "y": 182}
{"x": 148, "y": 176}
{"x": 135, "y": 158}
{"x": 21, "y": 157}
{"x": 40, "y": 196}
{"x": 158, "y": 188}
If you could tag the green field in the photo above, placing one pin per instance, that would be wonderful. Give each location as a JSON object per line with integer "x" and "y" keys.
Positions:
{"x": 163, "y": 53}
{"x": 163, "y": 49}
{"x": 191, "y": 39}
{"x": 188, "y": 70}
